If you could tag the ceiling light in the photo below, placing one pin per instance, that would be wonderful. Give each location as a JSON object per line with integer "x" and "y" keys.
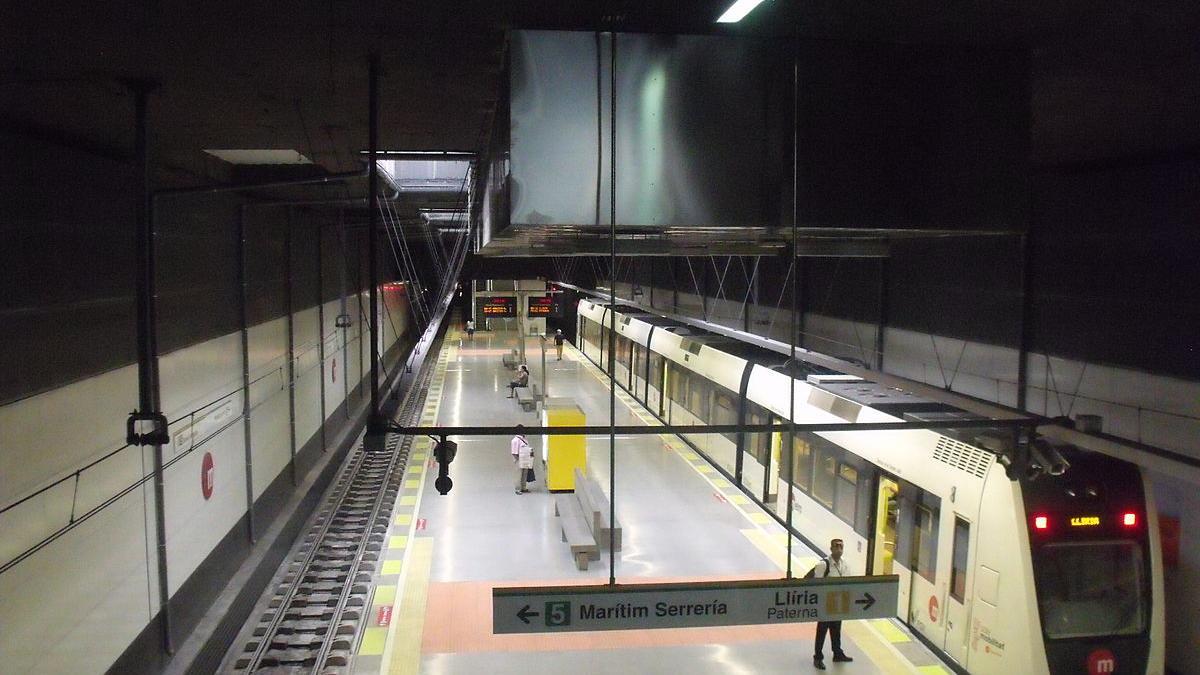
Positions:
{"x": 263, "y": 156}
{"x": 738, "y": 10}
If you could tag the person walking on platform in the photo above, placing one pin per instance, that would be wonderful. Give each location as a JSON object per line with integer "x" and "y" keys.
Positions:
{"x": 470, "y": 329}
{"x": 829, "y": 567}
{"x": 522, "y": 454}
{"x": 521, "y": 381}
{"x": 558, "y": 342}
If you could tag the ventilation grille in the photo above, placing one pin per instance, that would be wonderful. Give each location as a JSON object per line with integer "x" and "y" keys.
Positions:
{"x": 962, "y": 456}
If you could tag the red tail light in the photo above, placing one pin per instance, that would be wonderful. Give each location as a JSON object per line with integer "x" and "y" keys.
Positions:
{"x": 1041, "y": 522}
{"x": 1129, "y": 519}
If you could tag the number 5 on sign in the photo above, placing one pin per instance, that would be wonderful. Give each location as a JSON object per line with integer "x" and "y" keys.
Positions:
{"x": 558, "y": 614}
{"x": 837, "y": 603}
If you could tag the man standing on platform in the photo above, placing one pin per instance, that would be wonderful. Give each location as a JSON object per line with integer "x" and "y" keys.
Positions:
{"x": 522, "y": 454}
{"x": 558, "y": 342}
{"x": 829, "y": 567}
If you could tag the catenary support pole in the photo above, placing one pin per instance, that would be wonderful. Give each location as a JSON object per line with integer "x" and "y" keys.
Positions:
{"x": 147, "y": 343}
{"x": 372, "y": 231}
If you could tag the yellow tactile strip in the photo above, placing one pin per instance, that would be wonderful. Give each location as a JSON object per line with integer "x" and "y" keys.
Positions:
{"x": 387, "y": 608}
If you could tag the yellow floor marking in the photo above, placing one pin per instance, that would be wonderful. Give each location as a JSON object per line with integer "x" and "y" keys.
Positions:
{"x": 416, "y": 469}
{"x": 391, "y": 567}
{"x": 739, "y": 499}
{"x": 403, "y": 519}
{"x": 418, "y": 455}
{"x": 373, "y": 641}
{"x": 403, "y": 653}
{"x": 873, "y": 646}
{"x": 412, "y": 483}
{"x": 384, "y": 595}
{"x": 398, "y": 541}
{"x": 777, "y": 555}
{"x": 889, "y": 631}
{"x": 758, "y": 518}
{"x": 408, "y": 500}
{"x": 932, "y": 670}
{"x": 705, "y": 468}
{"x": 721, "y": 484}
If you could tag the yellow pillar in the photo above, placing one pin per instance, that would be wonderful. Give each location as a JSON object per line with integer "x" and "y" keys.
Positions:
{"x": 563, "y": 454}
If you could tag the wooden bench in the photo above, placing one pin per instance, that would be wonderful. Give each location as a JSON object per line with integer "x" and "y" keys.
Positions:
{"x": 575, "y": 530}
{"x": 593, "y": 501}
{"x": 510, "y": 360}
{"x": 528, "y": 397}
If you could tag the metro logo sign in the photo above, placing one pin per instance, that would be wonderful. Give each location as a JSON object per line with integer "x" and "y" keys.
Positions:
{"x": 1101, "y": 662}
{"x": 207, "y": 476}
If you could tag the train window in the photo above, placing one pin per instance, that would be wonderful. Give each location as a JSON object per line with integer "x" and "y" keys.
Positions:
{"x": 725, "y": 410}
{"x": 1091, "y": 588}
{"x": 824, "y": 480}
{"x": 847, "y": 488}
{"x": 958, "y": 560}
{"x": 656, "y": 371}
{"x": 639, "y": 361}
{"x": 679, "y": 378}
{"x": 699, "y": 397}
{"x": 623, "y": 347}
{"x": 802, "y": 463}
{"x": 925, "y": 542}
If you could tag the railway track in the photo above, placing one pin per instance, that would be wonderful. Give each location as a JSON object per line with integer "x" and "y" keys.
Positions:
{"x": 312, "y": 615}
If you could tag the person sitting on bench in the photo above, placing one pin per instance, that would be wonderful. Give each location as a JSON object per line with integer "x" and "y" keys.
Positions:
{"x": 521, "y": 381}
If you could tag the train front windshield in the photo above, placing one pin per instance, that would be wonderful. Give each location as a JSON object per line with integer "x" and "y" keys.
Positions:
{"x": 1092, "y": 588}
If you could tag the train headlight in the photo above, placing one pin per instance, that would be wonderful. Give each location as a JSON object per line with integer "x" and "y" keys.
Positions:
{"x": 1041, "y": 522}
{"x": 1129, "y": 519}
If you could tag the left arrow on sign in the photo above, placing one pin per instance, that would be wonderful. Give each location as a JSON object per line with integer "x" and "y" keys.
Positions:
{"x": 866, "y": 601}
{"x": 524, "y": 614}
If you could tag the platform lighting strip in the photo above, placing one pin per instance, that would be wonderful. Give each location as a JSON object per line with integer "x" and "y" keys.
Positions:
{"x": 738, "y": 10}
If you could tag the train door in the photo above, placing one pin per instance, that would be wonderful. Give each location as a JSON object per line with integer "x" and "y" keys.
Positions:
{"x": 884, "y": 537}
{"x": 958, "y": 614}
{"x": 927, "y": 597}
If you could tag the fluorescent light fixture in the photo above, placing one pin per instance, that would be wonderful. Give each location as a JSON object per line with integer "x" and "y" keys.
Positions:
{"x": 260, "y": 156}
{"x": 738, "y": 10}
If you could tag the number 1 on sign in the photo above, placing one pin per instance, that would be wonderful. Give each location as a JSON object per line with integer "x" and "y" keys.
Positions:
{"x": 837, "y": 603}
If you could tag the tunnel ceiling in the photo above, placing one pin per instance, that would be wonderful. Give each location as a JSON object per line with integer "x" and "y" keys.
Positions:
{"x": 1112, "y": 80}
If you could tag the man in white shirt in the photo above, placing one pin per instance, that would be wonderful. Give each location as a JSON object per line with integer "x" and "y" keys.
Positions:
{"x": 833, "y": 566}
{"x": 522, "y": 454}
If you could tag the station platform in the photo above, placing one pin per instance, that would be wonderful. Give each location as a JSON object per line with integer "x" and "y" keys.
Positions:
{"x": 431, "y": 610}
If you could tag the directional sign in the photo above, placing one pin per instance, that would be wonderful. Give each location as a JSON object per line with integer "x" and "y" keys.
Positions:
{"x": 734, "y": 603}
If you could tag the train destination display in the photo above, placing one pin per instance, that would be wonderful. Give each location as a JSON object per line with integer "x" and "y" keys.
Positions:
{"x": 540, "y": 307}
{"x": 685, "y": 605}
{"x": 500, "y": 306}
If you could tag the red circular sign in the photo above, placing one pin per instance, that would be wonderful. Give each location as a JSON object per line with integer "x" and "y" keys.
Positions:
{"x": 933, "y": 608}
{"x": 1101, "y": 662}
{"x": 207, "y": 475}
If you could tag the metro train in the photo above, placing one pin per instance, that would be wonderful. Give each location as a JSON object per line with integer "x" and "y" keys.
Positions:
{"x": 1059, "y": 571}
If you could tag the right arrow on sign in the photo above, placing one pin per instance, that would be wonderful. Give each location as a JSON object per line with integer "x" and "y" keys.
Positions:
{"x": 866, "y": 601}
{"x": 524, "y": 614}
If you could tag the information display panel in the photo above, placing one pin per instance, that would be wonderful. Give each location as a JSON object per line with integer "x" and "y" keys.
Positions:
{"x": 500, "y": 306}
{"x": 542, "y": 307}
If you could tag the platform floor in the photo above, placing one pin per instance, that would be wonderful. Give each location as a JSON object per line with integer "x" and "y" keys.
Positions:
{"x": 682, "y": 521}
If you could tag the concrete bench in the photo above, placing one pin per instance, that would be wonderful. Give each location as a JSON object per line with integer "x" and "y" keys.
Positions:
{"x": 528, "y": 397}
{"x": 510, "y": 360}
{"x": 593, "y": 501}
{"x": 575, "y": 530}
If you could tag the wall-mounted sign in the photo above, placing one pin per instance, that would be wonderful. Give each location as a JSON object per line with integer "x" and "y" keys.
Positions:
{"x": 500, "y": 306}
{"x": 207, "y": 476}
{"x": 684, "y": 605}
{"x": 540, "y": 307}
